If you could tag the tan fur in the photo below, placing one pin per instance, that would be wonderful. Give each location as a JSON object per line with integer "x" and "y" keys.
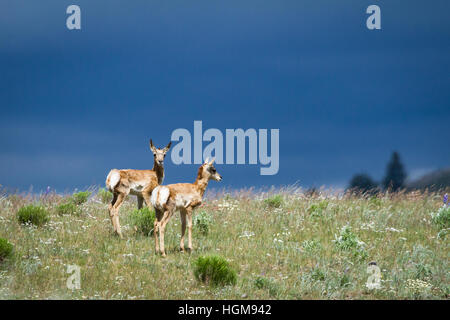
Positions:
{"x": 184, "y": 197}
{"x": 136, "y": 182}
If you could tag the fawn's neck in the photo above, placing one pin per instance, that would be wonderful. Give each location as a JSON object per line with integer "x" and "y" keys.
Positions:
{"x": 201, "y": 184}
{"x": 159, "y": 169}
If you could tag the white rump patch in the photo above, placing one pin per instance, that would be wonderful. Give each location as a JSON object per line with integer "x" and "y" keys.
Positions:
{"x": 114, "y": 178}
{"x": 160, "y": 195}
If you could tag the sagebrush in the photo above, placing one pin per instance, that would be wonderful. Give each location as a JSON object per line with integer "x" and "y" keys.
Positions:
{"x": 214, "y": 270}
{"x": 142, "y": 220}
{"x": 81, "y": 197}
{"x": 6, "y": 249}
{"x": 202, "y": 222}
{"x": 34, "y": 214}
{"x": 275, "y": 201}
{"x": 67, "y": 208}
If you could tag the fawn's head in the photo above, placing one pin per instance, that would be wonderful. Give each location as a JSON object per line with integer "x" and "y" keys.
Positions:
{"x": 159, "y": 154}
{"x": 207, "y": 171}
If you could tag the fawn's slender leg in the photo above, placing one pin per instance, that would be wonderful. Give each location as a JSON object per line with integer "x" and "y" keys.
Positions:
{"x": 162, "y": 226}
{"x": 110, "y": 209}
{"x": 116, "y": 207}
{"x": 189, "y": 222}
{"x": 183, "y": 228}
{"x": 140, "y": 201}
{"x": 156, "y": 229}
{"x": 158, "y": 215}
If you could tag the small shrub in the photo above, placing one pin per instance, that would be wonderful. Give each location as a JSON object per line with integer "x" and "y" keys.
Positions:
{"x": 311, "y": 246}
{"x": 202, "y": 221}
{"x": 266, "y": 284}
{"x": 214, "y": 270}
{"x": 80, "y": 197}
{"x": 441, "y": 218}
{"x": 143, "y": 220}
{"x": 360, "y": 254}
{"x": 344, "y": 280}
{"x": 318, "y": 275}
{"x": 36, "y": 215}
{"x": 6, "y": 249}
{"x": 317, "y": 209}
{"x": 261, "y": 282}
{"x": 104, "y": 195}
{"x": 443, "y": 233}
{"x": 423, "y": 270}
{"x": 274, "y": 202}
{"x": 419, "y": 262}
{"x": 348, "y": 241}
{"x": 67, "y": 208}
{"x": 375, "y": 201}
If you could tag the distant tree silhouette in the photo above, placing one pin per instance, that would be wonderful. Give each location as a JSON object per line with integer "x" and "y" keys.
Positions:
{"x": 363, "y": 183}
{"x": 395, "y": 173}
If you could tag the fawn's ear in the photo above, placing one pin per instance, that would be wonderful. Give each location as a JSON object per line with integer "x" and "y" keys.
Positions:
{"x": 206, "y": 161}
{"x": 167, "y": 147}
{"x": 152, "y": 147}
{"x": 212, "y": 160}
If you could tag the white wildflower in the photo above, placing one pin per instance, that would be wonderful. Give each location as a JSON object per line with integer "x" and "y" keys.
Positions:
{"x": 247, "y": 234}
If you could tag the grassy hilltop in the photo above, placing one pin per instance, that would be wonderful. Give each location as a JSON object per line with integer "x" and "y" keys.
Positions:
{"x": 282, "y": 245}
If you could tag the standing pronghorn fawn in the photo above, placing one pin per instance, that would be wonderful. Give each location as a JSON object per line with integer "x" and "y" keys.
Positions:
{"x": 137, "y": 182}
{"x": 184, "y": 197}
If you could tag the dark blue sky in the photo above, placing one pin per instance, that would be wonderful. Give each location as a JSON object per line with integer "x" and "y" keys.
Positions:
{"x": 75, "y": 104}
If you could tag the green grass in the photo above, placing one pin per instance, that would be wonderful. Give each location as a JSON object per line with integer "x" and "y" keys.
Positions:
{"x": 295, "y": 254}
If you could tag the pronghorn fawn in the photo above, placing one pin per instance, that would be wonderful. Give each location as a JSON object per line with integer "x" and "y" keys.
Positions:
{"x": 137, "y": 182}
{"x": 184, "y": 197}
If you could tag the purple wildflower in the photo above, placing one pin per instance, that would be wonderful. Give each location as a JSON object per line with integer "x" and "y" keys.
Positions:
{"x": 47, "y": 191}
{"x": 446, "y": 199}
